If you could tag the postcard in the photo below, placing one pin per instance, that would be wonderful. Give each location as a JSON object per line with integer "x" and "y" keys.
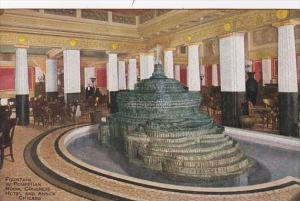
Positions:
{"x": 149, "y": 100}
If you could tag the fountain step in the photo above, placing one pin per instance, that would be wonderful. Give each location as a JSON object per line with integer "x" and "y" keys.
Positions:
{"x": 223, "y": 154}
{"x": 206, "y": 163}
{"x": 192, "y": 136}
{"x": 189, "y": 142}
{"x": 191, "y": 149}
{"x": 208, "y": 173}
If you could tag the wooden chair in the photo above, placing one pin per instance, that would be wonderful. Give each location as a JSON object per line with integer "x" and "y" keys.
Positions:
{"x": 40, "y": 115}
{"x": 7, "y": 140}
{"x": 272, "y": 116}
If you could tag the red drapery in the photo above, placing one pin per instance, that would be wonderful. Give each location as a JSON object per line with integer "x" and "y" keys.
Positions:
{"x": 208, "y": 75}
{"x": 183, "y": 75}
{"x": 101, "y": 77}
{"x": 257, "y": 68}
{"x": 7, "y": 78}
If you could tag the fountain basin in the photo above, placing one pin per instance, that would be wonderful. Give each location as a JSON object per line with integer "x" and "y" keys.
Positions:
{"x": 270, "y": 161}
{"x": 48, "y": 156}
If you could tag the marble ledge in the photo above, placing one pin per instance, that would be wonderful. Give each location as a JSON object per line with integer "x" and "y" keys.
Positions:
{"x": 284, "y": 142}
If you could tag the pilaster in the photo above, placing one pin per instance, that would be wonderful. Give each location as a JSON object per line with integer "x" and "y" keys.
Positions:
{"x": 122, "y": 75}
{"x": 72, "y": 75}
{"x": 132, "y": 74}
{"x": 21, "y": 85}
{"x": 193, "y": 74}
{"x": 232, "y": 71}
{"x": 168, "y": 63}
{"x": 287, "y": 81}
{"x": 51, "y": 77}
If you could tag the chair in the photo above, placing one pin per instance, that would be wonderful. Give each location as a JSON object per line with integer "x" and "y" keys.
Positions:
{"x": 272, "y": 116}
{"x": 7, "y": 140}
{"x": 41, "y": 114}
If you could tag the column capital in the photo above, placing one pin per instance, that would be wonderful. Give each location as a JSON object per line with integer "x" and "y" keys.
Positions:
{"x": 232, "y": 34}
{"x": 266, "y": 57}
{"x": 195, "y": 44}
{"x": 69, "y": 48}
{"x": 169, "y": 49}
{"x": 22, "y": 46}
{"x": 134, "y": 57}
{"x": 147, "y": 53}
{"x": 126, "y": 59}
{"x": 293, "y": 22}
{"x": 111, "y": 52}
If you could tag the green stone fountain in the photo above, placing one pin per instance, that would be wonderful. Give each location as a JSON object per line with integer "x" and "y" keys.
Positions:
{"x": 160, "y": 126}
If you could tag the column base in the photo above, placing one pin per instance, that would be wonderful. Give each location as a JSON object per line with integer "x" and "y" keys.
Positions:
{"x": 22, "y": 109}
{"x": 288, "y": 114}
{"x": 113, "y": 105}
{"x": 53, "y": 94}
{"x": 71, "y": 98}
{"x": 232, "y": 106}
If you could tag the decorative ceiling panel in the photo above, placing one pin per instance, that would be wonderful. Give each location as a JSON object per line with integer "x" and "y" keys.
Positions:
{"x": 131, "y": 12}
{"x": 94, "y": 14}
{"x": 65, "y": 12}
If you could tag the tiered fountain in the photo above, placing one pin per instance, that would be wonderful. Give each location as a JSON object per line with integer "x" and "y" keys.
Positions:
{"x": 161, "y": 127}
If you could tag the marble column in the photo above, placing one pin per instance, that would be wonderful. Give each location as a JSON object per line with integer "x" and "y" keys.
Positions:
{"x": 168, "y": 63}
{"x": 202, "y": 73}
{"x": 214, "y": 78}
{"x": 122, "y": 75}
{"x": 51, "y": 78}
{"x": 22, "y": 87}
{"x": 266, "y": 71}
{"x": 146, "y": 65}
{"x": 287, "y": 81}
{"x": 232, "y": 67}
{"x": 150, "y": 64}
{"x": 132, "y": 74}
{"x": 112, "y": 81}
{"x": 72, "y": 75}
{"x": 177, "y": 72}
{"x": 193, "y": 74}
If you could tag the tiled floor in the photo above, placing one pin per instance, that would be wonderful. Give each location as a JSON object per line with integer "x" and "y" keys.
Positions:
{"x": 12, "y": 172}
{"x": 16, "y": 177}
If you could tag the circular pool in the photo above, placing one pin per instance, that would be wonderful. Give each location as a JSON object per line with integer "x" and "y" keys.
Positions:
{"x": 72, "y": 158}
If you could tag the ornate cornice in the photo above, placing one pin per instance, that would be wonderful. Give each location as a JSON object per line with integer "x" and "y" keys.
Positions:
{"x": 49, "y": 25}
{"x": 56, "y": 33}
{"x": 37, "y": 40}
{"x": 245, "y": 21}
